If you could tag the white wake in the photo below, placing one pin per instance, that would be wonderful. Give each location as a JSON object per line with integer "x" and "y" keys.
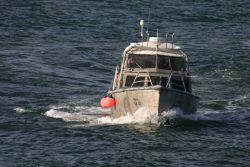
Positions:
{"x": 75, "y": 114}
{"x": 95, "y": 116}
{"x": 141, "y": 116}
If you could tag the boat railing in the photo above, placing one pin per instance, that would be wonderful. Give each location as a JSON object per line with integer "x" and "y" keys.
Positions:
{"x": 175, "y": 80}
{"x": 141, "y": 81}
{"x": 178, "y": 84}
{"x": 169, "y": 79}
{"x": 138, "y": 75}
{"x": 115, "y": 80}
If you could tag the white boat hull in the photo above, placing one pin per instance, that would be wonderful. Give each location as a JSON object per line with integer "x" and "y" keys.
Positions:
{"x": 155, "y": 99}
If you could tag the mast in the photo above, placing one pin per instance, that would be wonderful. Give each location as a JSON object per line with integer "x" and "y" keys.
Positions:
{"x": 141, "y": 24}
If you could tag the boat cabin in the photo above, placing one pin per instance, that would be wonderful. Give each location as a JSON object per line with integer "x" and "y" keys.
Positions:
{"x": 146, "y": 61}
{"x": 146, "y": 65}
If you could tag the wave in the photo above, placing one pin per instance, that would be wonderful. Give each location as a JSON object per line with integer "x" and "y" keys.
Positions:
{"x": 240, "y": 114}
{"x": 22, "y": 110}
{"x": 232, "y": 104}
{"x": 141, "y": 116}
{"x": 233, "y": 115}
{"x": 74, "y": 114}
{"x": 95, "y": 116}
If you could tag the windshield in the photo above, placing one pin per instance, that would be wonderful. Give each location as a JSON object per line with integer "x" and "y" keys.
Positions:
{"x": 163, "y": 62}
{"x": 171, "y": 63}
{"x": 141, "y": 61}
{"x": 178, "y": 63}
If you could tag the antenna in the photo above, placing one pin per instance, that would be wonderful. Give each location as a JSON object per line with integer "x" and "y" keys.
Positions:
{"x": 147, "y": 32}
{"x": 172, "y": 40}
{"x": 142, "y": 24}
{"x": 166, "y": 40}
{"x": 147, "y": 37}
{"x": 157, "y": 34}
{"x": 171, "y": 34}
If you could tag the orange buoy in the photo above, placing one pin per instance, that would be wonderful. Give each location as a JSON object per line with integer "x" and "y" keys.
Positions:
{"x": 107, "y": 102}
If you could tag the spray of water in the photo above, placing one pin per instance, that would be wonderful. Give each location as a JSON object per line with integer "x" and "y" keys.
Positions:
{"x": 75, "y": 114}
{"x": 141, "y": 116}
{"x": 22, "y": 110}
{"x": 94, "y": 116}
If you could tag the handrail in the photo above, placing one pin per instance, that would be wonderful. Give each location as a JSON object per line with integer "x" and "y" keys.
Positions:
{"x": 169, "y": 79}
{"x": 150, "y": 79}
{"x": 115, "y": 78}
{"x": 170, "y": 83}
{"x": 138, "y": 75}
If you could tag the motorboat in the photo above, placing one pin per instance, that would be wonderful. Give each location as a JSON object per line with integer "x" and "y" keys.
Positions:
{"x": 153, "y": 75}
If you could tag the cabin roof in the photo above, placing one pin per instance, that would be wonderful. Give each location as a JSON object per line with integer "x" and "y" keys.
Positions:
{"x": 149, "y": 48}
{"x": 156, "y": 52}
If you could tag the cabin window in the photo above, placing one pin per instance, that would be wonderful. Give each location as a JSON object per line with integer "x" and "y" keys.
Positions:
{"x": 164, "y": 81}
{"x": 163, "y": 63}
{"x": 158, "y": 81}
{"x": 178, "y": 63}
{"x": 155, "y": 81}
{"x": 177, "y": 83}
{"x": 129, "y": 81}
{"x": 139, "y": 81}
{"x": 134, "y": 81}
{"x": 141, "y": 61}
{"x": 171, "y": 63}
{"x": 188, "y": 85}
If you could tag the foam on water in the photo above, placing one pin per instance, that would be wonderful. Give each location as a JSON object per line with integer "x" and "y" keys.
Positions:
{"x": 233, "y": 115}
{"x": 77, "y": 114}
{"x": 232, "y": 104}
{"x": 95, "y": 116}
{"x": 239, "y": 115}
{"x": 177, "y": 113}
{"x": 22, "y": 110}
{"x": 66, "y": 116}
{"x": 141, "y": 116}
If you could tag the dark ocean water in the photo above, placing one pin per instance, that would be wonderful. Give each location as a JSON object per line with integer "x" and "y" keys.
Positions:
{"x": 57, "y": 59}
